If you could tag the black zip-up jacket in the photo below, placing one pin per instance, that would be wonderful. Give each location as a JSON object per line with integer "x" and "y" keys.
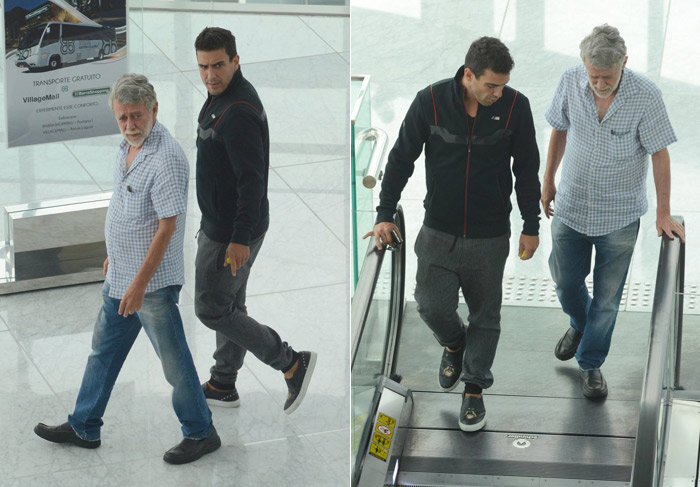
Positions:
{"x": 467, "y": 162}
{"x": 233, "y": 160}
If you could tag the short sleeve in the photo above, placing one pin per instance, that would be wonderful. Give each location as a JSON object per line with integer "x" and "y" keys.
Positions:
{"x": 169, "y": 190}
{"x": 558, "y": 113}
{"x": 655, "y": 130}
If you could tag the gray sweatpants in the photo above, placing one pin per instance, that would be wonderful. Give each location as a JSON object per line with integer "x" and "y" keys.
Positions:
{"x": 447, "y": 264}
{"x": 219, "y": 302}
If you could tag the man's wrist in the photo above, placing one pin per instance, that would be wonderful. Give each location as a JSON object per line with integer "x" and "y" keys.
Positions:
{"x": 531, "y": 228}
{"x": 139, "y": 283}
{"x": 385, "y": 216}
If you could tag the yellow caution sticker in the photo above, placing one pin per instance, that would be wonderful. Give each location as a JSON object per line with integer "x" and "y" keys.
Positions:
{"x": 381, "y": 440}
{"x": 387, "y": 420}
{"x": 384, "y": 430}
{"x": 378, "y": 451}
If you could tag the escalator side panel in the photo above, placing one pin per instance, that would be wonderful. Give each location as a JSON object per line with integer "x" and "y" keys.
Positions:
{"x": 387, "y": 437}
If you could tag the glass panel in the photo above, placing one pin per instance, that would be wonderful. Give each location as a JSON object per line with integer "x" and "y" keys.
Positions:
{"x": 135, "y": 39}
{"x": 363, "y": 202}
{"x": 371, "y": 354}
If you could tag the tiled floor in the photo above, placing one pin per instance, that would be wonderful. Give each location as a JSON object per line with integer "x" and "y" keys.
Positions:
{"x": 299, "y": 285}
{"x": 404, "y": 45}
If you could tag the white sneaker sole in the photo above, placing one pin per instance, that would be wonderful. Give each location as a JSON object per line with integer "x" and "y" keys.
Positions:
{"x": 304, "y": 384}
{"x": 472, "y": 427}
{"x": 451, "y": 388}
{"x": 224, "y": 404}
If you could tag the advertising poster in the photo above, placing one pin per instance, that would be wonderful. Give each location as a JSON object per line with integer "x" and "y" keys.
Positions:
{"x": 61, "y": 57}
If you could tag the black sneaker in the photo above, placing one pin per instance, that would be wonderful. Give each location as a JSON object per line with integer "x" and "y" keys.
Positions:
{"x": 222, "y": 399}
{"x": 299, "y": 382}
{"x": 450, "y": 369}
{"x": 472, "y": 415}
{"x": 63, "y": 433}
{"x": 189, "y": 450}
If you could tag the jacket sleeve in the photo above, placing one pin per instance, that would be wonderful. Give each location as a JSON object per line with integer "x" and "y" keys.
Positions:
{"x": 243, "y": 140}
{"x": 413, "y": 134}
{"x": 526, "y": 165}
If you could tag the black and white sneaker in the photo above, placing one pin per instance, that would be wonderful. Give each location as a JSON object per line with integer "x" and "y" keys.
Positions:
{"x": 220, "y": 398}
{"x": 450, "y": 369}
{"x": 472, "y": 415}
{"x": 299, "y": 382}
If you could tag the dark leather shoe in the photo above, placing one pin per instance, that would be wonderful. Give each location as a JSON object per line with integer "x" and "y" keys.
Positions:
{"x": 63, "y": 433}
{"x": 189, "y": 450}
{"x": 594, "y": 384}
{"x": 567, "y": 346}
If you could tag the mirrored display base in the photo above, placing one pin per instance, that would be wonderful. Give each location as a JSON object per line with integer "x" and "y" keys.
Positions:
{"x": 59, "y": 266}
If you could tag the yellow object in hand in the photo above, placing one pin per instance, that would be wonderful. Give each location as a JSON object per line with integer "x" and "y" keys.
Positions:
{"x": 228, "y": 260}
{"x": 523, "y": 255}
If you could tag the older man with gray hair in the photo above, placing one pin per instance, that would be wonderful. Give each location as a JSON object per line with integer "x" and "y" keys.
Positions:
{"x": 606, "y": 120}
{"x": 144, "y": 272}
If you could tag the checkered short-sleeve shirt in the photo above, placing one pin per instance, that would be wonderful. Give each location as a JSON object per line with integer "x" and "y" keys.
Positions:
{"x": 604, "y": 169}
{"x": 154, "y": 188}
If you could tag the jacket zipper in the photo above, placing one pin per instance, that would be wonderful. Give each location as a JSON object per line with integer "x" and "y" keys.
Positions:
{"x": 470, "y": 133}
{"x": 204, "y": 111}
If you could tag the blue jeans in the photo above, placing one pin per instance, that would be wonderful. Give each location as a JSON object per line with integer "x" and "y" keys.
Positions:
{"x": 570, "y": 263}
{"x": 111, "y": 341}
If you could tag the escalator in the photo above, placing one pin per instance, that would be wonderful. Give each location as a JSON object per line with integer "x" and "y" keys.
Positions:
{"x": 540, "y": 429}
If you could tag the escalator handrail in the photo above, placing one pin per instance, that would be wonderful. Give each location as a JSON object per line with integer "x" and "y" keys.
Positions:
{"x": 364, "y": 292}
{"x": 362, "y": 300}
{"x": 361, "y": 305}
{"x": 398, "y": 292}
{"x": 664, "y": 326}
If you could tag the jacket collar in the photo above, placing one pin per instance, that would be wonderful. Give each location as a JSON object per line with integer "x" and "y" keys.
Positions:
{"x": 457, "y": 83}
{"x": 232, "y": 86}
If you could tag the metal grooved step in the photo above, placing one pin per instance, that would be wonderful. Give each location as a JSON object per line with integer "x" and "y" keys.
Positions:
{"x": 503, "y": 454}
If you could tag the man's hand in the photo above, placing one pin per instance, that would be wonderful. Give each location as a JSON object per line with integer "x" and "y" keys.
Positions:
{"x": 668, "y": 225}
{"x": 132, "y": 299}
{"x": 236, "y": 256}
{"x": 105, "y": 266}
{"x": 527, "y": 246}
{"x": 549, "y": 190}
{"x": 382, "y": 233}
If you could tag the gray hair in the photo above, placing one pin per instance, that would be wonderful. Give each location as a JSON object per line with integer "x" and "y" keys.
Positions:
{"x": 604, "y": 48}
{"x": 132, "y": 89}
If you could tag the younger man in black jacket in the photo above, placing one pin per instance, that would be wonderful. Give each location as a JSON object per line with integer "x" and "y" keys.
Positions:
{"x": 471, "y": 125}
{"x": 233, "y": 158}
